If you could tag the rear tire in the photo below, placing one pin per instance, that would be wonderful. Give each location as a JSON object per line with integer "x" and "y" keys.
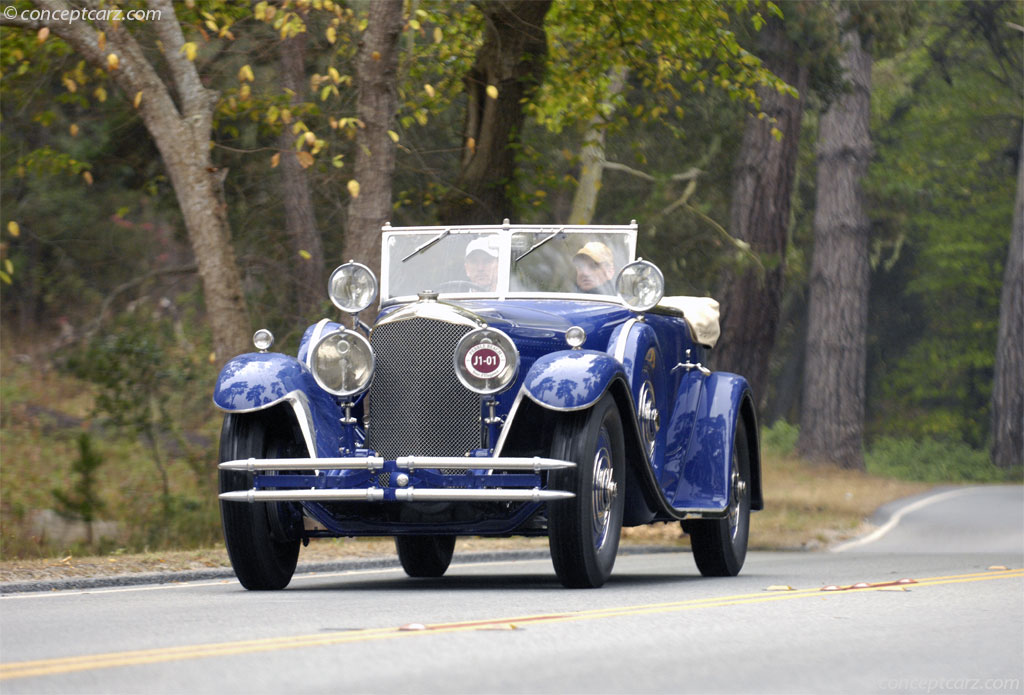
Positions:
{"x": 262, "y": 538}
{"x": 425, "y": 556}
{"x": 720, "y": 545}
{"x": 583, "y": 532}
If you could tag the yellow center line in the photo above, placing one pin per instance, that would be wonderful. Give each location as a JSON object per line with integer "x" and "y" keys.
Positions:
{"x": 44, "y": 667}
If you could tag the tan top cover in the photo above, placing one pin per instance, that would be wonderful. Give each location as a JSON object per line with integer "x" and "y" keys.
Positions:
{"x": 702, "y": 315}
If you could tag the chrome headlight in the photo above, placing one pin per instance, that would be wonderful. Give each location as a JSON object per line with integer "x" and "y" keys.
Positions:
{"x": 640, "y": 285}
{"x": 486, "y": 361}
{"x": 343, "y": 363}
{"x": 352, "y": 287}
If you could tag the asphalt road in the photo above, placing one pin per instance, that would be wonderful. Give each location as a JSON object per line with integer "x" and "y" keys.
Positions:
{"x": 508, "y": 627}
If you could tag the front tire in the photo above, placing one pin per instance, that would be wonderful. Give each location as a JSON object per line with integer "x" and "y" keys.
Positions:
{"x": 583, "y": 532}
{"x": 720, "y": 545}
{"x": 425, "y": 556}
{"x": 262, "y": 538}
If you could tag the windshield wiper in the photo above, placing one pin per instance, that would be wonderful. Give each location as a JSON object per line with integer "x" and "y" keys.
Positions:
{"x": 427, "y": 244}
{"x": 540, "y": 243}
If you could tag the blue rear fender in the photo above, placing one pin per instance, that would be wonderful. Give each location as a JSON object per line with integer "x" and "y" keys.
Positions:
{"x": 703, "y": 466}
{"x": 256, "y": 382}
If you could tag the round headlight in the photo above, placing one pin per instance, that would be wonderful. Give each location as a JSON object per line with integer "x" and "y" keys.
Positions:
{"x": 486, "y": 361}
{"x": 640, "y": 285}
{"x": 575, "y": 337}
{"x": 342, "y": 363}
{"x": 352, "y": 287}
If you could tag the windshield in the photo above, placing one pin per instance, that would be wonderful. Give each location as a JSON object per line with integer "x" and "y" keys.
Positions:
{"x": 496, "y": 261}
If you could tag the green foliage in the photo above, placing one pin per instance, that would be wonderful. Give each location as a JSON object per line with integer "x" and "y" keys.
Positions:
{"x": 934, "y": 460}
{"x": 82, "y": 501}
{"x": 780, "y": 439}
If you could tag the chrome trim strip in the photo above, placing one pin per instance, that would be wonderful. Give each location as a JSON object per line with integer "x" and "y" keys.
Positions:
{"x": 313, "y": 340}
{"x": 620, "y": 344}
{"x": 509, "y": 419}
{"x": 303, "y": 415}
{"x": 409, "y": 463}
{"x": 436, "y": 311}
{"x": 375, "y": 494}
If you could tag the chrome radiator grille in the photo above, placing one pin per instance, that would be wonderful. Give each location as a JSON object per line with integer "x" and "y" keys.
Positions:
{"x": 417, "y": 406}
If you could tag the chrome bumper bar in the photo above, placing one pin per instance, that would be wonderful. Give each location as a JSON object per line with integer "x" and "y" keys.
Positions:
{"x": 408, "y": 463}
{"x": 376, "y": 494}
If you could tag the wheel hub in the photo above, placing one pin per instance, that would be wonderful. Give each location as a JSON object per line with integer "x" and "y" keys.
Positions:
{"x": 604, "y": 491}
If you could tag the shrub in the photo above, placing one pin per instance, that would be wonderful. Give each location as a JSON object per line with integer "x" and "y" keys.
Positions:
{"x": 779, "y": 439}
{"x": 934, "y": 461}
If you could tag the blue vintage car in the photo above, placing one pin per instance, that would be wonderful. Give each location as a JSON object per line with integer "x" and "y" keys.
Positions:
{"x": 517, "y": 380}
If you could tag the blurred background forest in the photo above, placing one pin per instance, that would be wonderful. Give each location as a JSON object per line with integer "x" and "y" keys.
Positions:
{"x": 707, "y": 122}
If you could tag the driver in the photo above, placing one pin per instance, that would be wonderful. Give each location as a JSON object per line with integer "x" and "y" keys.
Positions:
{"x": 595, "y": 268}
{"x": 481, "y": 262}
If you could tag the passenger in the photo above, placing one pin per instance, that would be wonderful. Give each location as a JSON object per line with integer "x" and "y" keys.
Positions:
{"x": 595, "y": 268}
{"x": 481, "y": 262}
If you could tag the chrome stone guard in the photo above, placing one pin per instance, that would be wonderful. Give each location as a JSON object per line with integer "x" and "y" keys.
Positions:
{"x": 534, "y": 464}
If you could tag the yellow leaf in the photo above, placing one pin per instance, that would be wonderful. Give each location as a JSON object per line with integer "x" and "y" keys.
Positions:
{"x": 275, "y": 160}
{"x": 244, "y": 93}
{"x": 212, "y": 359}
{"x": 6, "y": 279}
{"x": 137, "y": 100}
{"x": 414, "y": 25}
{"x": 332, "y": 34}
{"x": 13, "y": 228}
{"x": 100, "y": 94}
{"x": 492, "y": 91}
{"x": 245, "y": 74}
{"x": 306, "y": 255}
{"x": 189, "y": 49}
{"x": 286, "y": 116}
{"x": 211, "y": 25}
{"x": 305, "y": 159}
{"x": 471, "y": 144}
{"x": 353, "y": 188}
{"x": 73, "y": 129}
{"x": 42, "y": 34}
{"x": 113, "y": 62}
{"x": 337, "y": 162}
{"x": 70, "y": 85}
{"x": 438, "y": 35}
{"x": 393, "y": 135}
{"x": 310, "y": 137}
{"x": 101, "y": 41}
{"x": 260, "y": 11}
{"x": 375, "y": 55}
{"x": 429, "y": 90}
{"x": 87, "y": 176}
{"x": 8, "y": 266}
{"x": 325, "y": 92}
{"x": 335, "y": 75}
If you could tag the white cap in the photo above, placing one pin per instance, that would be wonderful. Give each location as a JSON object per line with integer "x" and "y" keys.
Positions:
{"x": 487, "y": 244}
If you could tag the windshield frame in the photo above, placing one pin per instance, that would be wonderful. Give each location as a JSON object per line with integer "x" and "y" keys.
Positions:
{"x": 504, "y": 233}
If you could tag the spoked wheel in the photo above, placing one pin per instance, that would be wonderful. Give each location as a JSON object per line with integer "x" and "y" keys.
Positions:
{"x": 720, "y": 545}
{"x": 262, "y": 538}
{"x": 425, "y": 556}
{"x": 583, "y": 532}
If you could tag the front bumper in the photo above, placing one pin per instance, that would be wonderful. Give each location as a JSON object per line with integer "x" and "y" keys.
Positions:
{"x": 410, "y": 479}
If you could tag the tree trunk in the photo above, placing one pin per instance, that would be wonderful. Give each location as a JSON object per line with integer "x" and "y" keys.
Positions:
{"x": 761, "y": 189}
{"x": 510, "y": 60}
{"x": 1008, "y": 386}
{"x": 299, "y": 216}
{"x": 832, "y": 410}
{"x": 376, "y": 105}
{"x": 181, "y": 127}
{"x": 592, "y": 157}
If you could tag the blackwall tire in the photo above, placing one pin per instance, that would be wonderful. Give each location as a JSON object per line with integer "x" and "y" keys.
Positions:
{"x": 583, "y": 532}
{"x": 261, "y": 558}
{"x": 720, "y": 545}
{"x": 425, "y": 556}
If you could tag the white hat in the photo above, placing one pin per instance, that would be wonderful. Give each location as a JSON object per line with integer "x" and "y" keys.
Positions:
{"x": 488, "y": 244}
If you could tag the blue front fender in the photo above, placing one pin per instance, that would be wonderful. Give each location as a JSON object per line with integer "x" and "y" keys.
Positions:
{"x": 259, "y": 381}
{"x": 571, "y": 379}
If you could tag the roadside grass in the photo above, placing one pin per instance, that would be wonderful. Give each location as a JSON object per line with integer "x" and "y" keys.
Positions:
{"x": 43, "y": 412}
